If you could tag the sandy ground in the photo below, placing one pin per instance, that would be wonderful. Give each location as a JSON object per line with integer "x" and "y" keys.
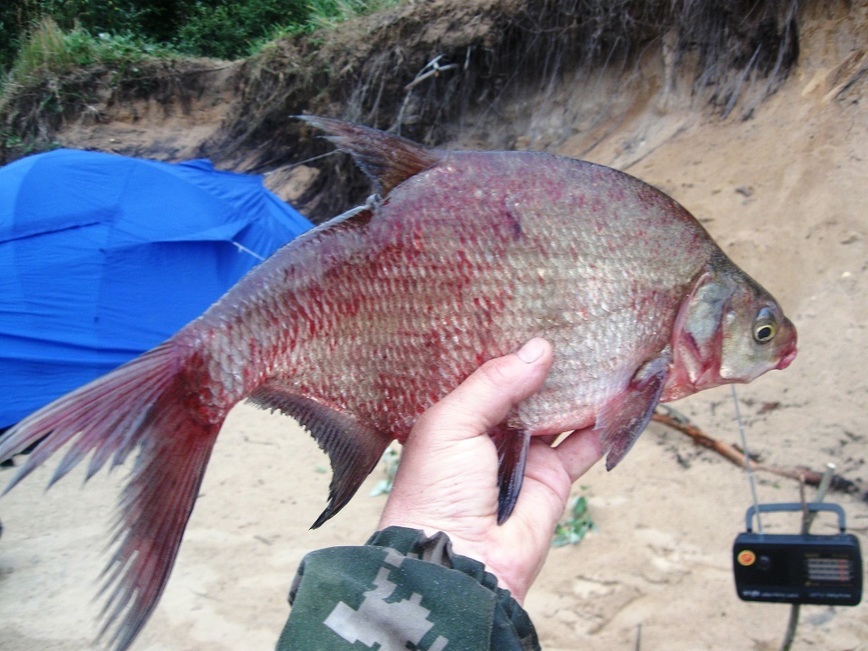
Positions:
{"x": 785, "y": 193}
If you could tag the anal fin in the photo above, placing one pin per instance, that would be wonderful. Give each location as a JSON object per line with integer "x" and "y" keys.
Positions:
{"x": 625, "y": 418}
{"x": 353, "y": 447}
{"x": 512, "y": 445}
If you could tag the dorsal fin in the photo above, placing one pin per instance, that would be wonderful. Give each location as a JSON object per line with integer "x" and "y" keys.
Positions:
{"x": 387, "y": 159}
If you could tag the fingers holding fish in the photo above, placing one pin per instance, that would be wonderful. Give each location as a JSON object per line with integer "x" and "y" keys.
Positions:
{"x": 578, "y": 451}
{"x": 448, "y": 447}
{"x": 452, "y": 475}
{"x": 486, "y": 397}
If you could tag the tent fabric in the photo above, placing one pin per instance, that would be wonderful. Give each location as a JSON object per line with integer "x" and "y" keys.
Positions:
{"x": 103, "y": 256}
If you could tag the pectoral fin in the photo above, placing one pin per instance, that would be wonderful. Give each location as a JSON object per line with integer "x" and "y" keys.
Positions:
{"x": 353, "y": 447}
{"x": 625, "y": 418}
{"x": 512, "y": 445}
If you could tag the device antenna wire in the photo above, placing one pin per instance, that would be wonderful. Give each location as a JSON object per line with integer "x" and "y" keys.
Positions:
{"x": 747, "y": 462}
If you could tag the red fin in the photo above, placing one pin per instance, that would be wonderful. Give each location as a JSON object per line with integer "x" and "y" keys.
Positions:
{"x": 353, "y": 448}
{"x": 139, "y": 405}
{"x": 512, "y": 445}
{"x": 623, "y": 420}
{"x": 388, "y": 159}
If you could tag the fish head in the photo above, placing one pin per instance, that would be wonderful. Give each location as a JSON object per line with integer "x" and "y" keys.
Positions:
{"x": 729, "y": 330}
{"x": 756, "y": 337}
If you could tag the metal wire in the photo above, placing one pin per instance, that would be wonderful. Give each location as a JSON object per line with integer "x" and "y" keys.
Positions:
{"x": 747, "y": 462}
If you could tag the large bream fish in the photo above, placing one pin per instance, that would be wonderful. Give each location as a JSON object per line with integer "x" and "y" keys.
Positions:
{"x": 358, "y": 326}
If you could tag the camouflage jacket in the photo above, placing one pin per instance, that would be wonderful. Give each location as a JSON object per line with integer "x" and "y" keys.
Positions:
{"x": 401, "y": 590}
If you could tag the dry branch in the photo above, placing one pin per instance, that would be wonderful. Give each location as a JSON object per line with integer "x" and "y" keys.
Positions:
{"x": 678, "y": 422}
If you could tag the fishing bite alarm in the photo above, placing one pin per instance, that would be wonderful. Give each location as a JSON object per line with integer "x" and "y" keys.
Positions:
{"x": 798, "y": 568}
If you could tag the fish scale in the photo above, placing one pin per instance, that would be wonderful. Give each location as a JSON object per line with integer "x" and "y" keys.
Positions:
{"x": 358, "y": 326}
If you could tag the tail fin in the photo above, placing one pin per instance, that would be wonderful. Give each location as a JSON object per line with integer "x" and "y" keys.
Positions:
{"x": 142, "y": 404}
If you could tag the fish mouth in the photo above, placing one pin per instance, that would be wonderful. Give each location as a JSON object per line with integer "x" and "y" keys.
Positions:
{"x": 790, "y": 349}
{"x": 788, "y": 358}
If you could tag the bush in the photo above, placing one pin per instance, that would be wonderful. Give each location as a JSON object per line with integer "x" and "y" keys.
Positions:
{"x": 23, "y": 25}
{"x": 48, "y": 50}
{"x": 225, "y": 29}
{"x": 325, "y": 13}
{"x": 228, "y": 30}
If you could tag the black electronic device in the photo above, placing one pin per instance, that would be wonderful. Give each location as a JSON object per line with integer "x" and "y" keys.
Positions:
{"x": 798, "y": 568}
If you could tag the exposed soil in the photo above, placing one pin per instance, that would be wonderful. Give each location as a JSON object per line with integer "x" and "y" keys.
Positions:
{"x": 781, "y": 185}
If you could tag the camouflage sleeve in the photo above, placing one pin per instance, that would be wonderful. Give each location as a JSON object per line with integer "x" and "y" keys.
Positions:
{"x": 401, "y": 590}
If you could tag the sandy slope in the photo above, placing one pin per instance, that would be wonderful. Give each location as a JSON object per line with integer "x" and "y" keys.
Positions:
{"x": 785, "y": 193}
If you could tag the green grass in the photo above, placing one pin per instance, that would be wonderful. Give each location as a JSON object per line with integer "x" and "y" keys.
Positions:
{"x": 329, "y": 13}
{"x": 391, "y": 459}
{"x": 576, "y": 525}
{"x": 47, "y": 52}
{"x": 50, "y": 51}
{"x": 229, "y": 29}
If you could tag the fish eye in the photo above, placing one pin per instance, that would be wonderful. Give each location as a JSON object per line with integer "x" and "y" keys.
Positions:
{"x": 765, "y": 327}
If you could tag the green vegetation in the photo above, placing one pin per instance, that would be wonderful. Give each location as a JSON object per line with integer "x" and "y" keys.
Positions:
{"x": 49, "y": 50}
{"x": 62, "y": 33}
{"x": 391, "y": 459}
{"x": 43, "y": 66}
{"x": 234, "y": 28}
{"x": 577, "y": 524}
{"x": 328, "y": 13}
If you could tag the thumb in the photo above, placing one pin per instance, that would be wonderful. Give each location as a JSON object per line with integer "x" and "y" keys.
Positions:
{"x": 485, "y": 398}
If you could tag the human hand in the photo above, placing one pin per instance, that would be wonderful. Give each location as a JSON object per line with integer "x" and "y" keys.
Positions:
{"x": 447, "y": 478}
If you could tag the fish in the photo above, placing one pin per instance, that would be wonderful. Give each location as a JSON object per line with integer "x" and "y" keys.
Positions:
{"x": 355, "y": 328}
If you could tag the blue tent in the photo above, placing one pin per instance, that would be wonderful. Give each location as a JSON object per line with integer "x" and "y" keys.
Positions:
{"x": 102, "y": 257}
